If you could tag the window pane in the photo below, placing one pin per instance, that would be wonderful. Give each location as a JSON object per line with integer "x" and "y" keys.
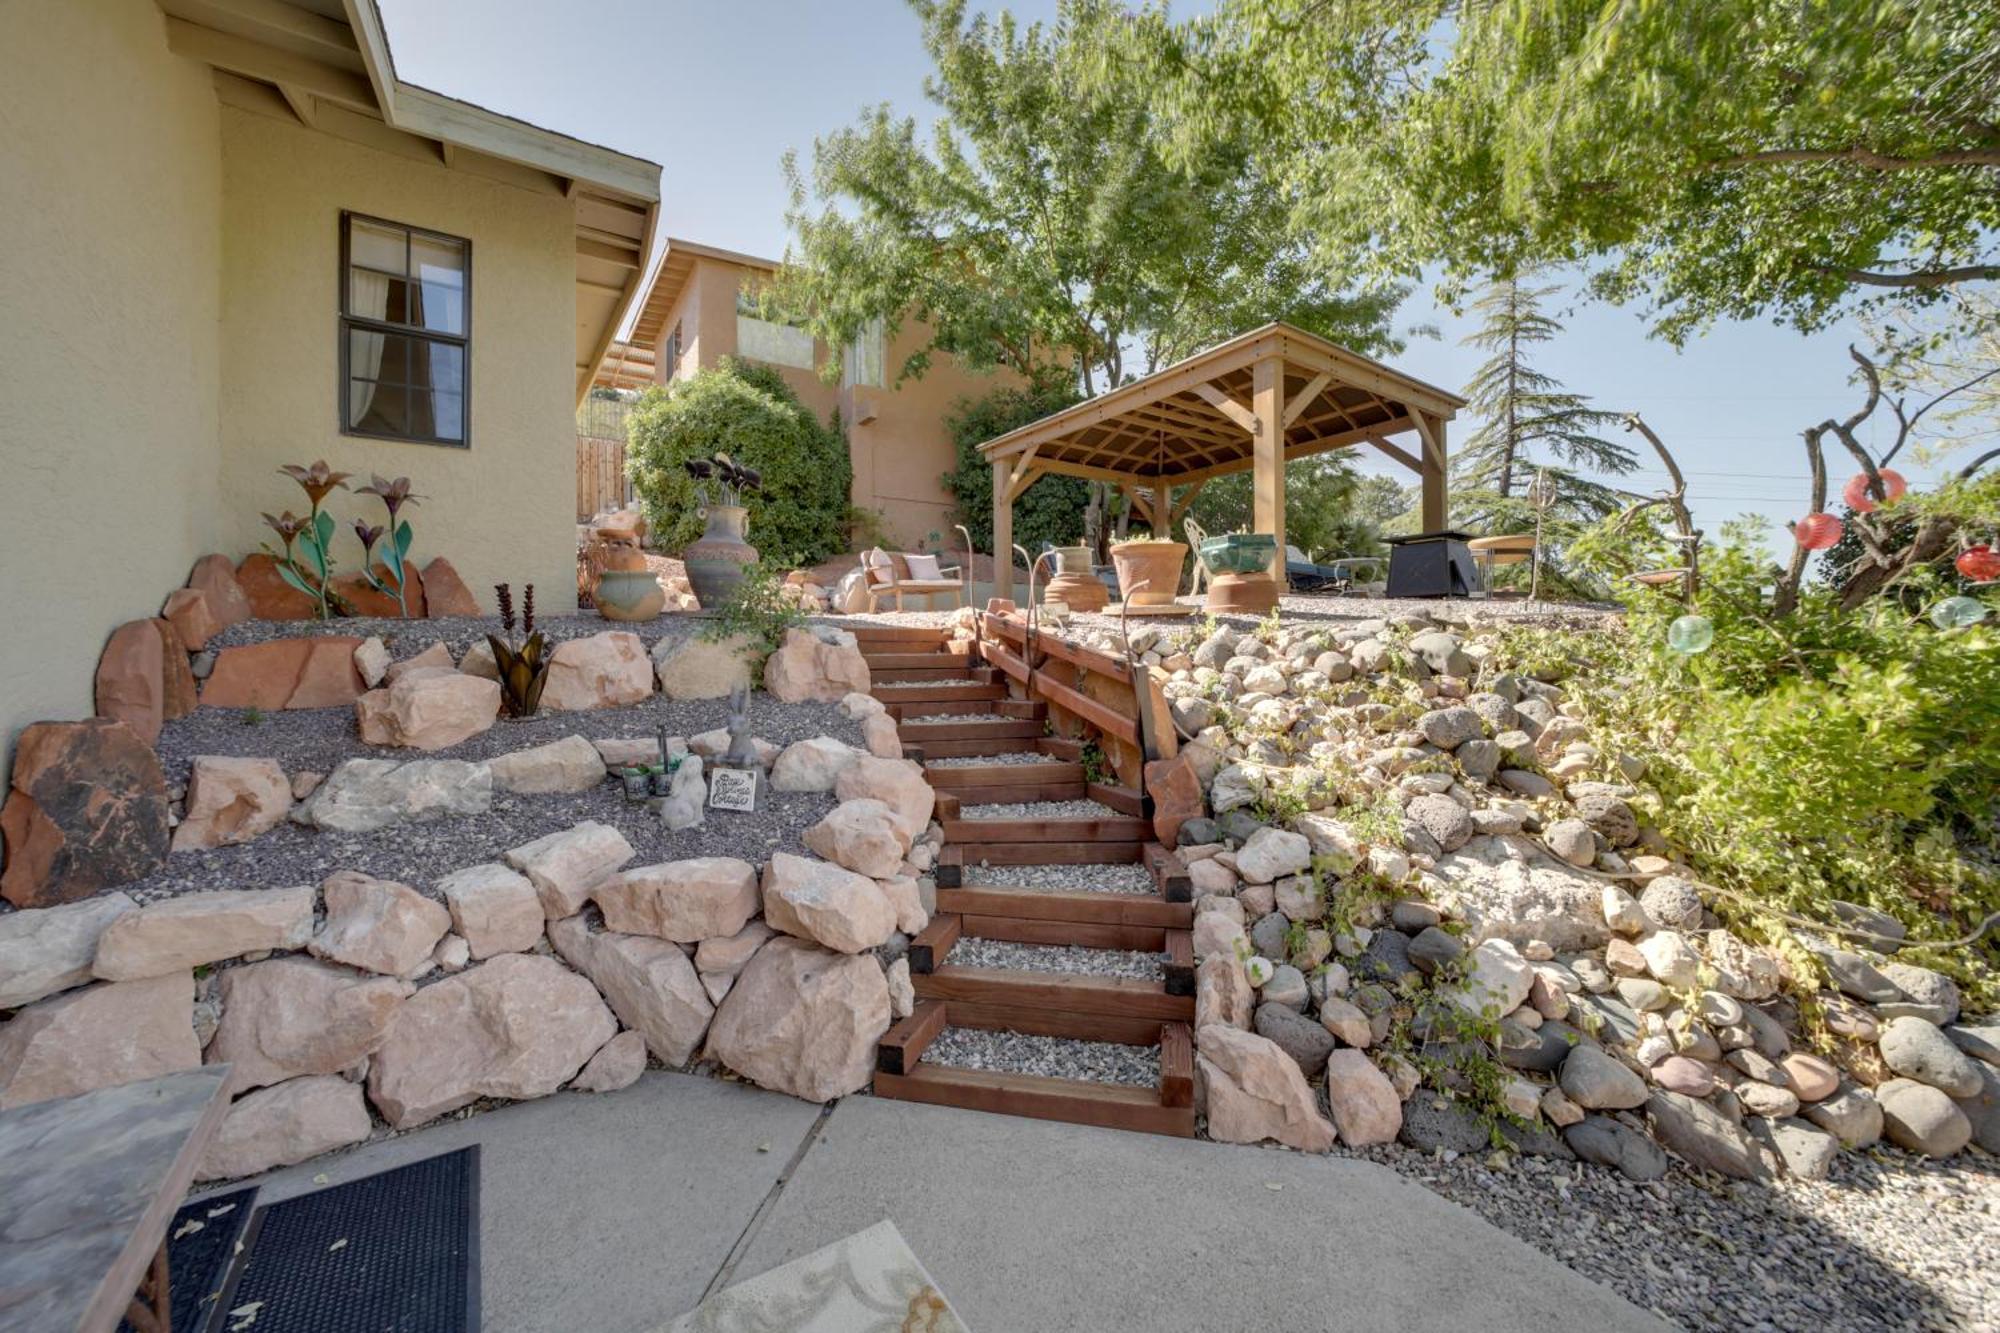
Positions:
{"x": 404, "y": 385}
{"x": 448, "y": 413}
{"x": 439, "y": 267}
{"x": 376, "y": 267}
{"x": 440, "y": 365}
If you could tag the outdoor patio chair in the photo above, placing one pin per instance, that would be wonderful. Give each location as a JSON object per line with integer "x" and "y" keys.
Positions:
{"x": 1202, "y": 573}
{"x": 901, "y": 574}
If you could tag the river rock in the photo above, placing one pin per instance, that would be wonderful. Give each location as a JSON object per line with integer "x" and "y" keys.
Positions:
{"x": 1597, "y": 1082}
{"x": 802, "y": 1020}
{"x": 175, "y": 934}
{"x": 1603, "y": 1140}
{"x": 1706, "y": 1138}
{"x": 1296, "y": 1035}
{"x": 288, "y": 1123}
{"x": 1921, "y": 1118}
{"x": 1366, "y": 1109}
{"x": 1271, "y": 854}
{"x": 1256, "y": 1092}
{"x": 1671, "y": 902}
{"x": 1507, "y": 887}
{"x": 287, "y": 1017}
{"x": 516, "y": 1026}
{"x": 1851, "y": 1115}
{"x": 1916, "y": 1048}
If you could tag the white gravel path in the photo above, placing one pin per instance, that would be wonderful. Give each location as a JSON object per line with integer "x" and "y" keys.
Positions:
{"x": 977, "y": 760}
{"x": 962, "y": 717}
{"x": 1052, "y": 1057}
{"x": 1042, "y": 810}
{"x": 1119, "y": 877}
{"x": 1066, "y": 959}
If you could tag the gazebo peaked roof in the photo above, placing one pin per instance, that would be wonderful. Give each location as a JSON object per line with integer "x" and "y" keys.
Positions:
{"x": 1257, "y": 402}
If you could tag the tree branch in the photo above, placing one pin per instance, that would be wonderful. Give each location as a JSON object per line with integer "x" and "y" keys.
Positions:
{"x": 1861, "y": 157}
{"x": 1937, "y": 277}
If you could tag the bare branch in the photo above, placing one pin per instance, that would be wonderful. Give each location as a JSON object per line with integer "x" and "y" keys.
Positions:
{"x": 1937, "y": 277}
{"x": 1862, "y": 157}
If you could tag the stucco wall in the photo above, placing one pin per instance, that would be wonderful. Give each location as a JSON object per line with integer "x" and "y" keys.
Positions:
{"x": 501, "y": 509}
{"x": 110, "y": 267}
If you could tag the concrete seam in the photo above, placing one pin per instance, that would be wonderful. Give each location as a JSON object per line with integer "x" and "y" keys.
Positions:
{"x": 727, "y": 1270}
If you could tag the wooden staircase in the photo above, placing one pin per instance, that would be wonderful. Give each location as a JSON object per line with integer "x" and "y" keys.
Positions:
{"x": 966, "y": 712}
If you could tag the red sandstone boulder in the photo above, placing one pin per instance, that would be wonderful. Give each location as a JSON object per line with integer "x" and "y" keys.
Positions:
{"x": 445, "y": 593}
{"x": 270, "y": 597}
{"x": 317, "y": 672}
{"x": 215, "y": 579}
{"x": 87, "y": 810}
{"x": 192, "y": 614}
{"x": 364, "y": 600}
{"x": 178, "y": 692}
{"x": 1177, "y": 797}
{"x": 131, "y": 677}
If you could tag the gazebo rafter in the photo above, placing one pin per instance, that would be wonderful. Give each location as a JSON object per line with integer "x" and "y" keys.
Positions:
{"x": 1255, "y": 403}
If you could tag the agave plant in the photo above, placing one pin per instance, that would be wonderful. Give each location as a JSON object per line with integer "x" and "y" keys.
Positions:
{"x": 523, "y": 662}
{"x": 395, "y": 552}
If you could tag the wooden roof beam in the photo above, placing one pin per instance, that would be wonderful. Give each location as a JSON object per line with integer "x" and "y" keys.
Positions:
{"x": 1209, "y": 393}
{"x": 254, "y": 60}
{"x": 1306, "y": 396}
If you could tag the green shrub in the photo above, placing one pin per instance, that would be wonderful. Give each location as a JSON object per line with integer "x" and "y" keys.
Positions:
{"x": 799, "y": 517}
{"x": 758, "y": 611}
{"x": 1051, "y": 510}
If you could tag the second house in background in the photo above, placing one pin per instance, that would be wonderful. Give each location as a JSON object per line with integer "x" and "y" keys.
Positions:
{"x": 696, "y": 311}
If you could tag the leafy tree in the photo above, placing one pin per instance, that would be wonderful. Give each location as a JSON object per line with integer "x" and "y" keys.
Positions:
{"x": 1379, "y": 500}
{"x": 1044, "y": 222}
{"x": 798, "y": 516}
{"x": 1049, "y": 511}
{"x": 1531, "y": 429}
{"x": 1730, "y": 158}
{"x": 1322, "y": 511}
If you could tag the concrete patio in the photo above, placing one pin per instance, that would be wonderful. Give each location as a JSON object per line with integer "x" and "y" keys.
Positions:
{"x": 621, "y": 1211}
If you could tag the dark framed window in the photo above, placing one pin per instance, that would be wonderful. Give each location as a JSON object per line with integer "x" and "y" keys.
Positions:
{"x": 405, "y": 332}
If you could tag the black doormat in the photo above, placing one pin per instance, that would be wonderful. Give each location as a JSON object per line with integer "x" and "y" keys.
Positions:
{"x": 200, "y": 1244}
{"x": 396, "y": 1252}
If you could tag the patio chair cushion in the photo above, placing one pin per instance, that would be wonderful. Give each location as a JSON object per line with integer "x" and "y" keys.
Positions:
{"x": 883, "y": 568}
{"x": 923, "y": 568}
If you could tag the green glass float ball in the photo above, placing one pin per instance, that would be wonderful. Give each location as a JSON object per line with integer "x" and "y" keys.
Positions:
{"x": 1691, "y": 634}
{"x": 1958, "y": 612}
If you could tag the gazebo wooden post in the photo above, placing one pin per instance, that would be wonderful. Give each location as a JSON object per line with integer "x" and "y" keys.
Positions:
{"x": 1163, "y": 511}
{"x": 1435, "y": 477}
{"x": 1268, "y": 453}
{"x": 1003, "y": 530}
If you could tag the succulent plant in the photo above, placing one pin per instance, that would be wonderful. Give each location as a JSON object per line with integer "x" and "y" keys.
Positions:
{"x": 523, "y": 663}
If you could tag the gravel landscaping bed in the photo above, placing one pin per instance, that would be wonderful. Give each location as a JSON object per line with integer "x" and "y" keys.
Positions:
{"x": 1064, "y": 958}
{"x": 417, "y": 854}
{"x": 1890, "y": 1241}
{"x": 1052, "y": 1057}
{"x": 407, "y": 638}
{"x": 1042, "y": 810}
{"x": 1119, "y": 877}
{"x": 975, "y": 760}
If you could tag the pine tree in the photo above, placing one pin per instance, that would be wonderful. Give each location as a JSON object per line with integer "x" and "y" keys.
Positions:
{"x": 1530, "y": 425}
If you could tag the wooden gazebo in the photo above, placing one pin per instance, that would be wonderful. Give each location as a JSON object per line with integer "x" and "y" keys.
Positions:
{"x": 1254, "y": 403}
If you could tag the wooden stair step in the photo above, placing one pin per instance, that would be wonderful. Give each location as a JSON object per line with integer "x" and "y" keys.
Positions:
{"x": 902, "y": 1074}
{"x": 1071, "y": 996}
{"x": 973, "y": 780}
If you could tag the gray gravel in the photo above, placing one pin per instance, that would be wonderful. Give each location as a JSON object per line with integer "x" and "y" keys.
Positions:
{"x": 1119, "y": 877}
{"x": 1052, "y": 1057}
{"x": 976, "y": 760}
{"x": 406, "y": 638}
{"x": 1890, "y": 1241}
{"x": 317, "y": 740}
{"x": 1042, "y": 810}
{"x": 1067, "y": 959}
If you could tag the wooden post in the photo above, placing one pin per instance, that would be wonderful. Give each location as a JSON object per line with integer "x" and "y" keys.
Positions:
{"x": 1003, "y": 530}
{"x": 1435, "y": 515}
{"x": 1163, "y": 511}
{"x": 1267, "y": 446}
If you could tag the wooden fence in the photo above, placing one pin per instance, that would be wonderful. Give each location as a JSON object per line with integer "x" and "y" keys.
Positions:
{"x": 600, "y": 476}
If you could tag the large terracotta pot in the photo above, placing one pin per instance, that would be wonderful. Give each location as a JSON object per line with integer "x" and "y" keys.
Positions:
{"x": 1157, "y": 564}
{"x": 629, "y": 594}
{"x": 716, "y": 562}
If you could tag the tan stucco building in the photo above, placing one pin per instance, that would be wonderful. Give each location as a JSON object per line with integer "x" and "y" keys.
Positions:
{"x": 232, "y": 238}
{"x": 692, "y": 316}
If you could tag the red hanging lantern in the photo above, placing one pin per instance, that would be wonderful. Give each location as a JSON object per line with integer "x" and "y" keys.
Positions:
{"x": 1979, "y": 563}
{"x": 1817, "y": 532}
{"x": 1855, "y": 493}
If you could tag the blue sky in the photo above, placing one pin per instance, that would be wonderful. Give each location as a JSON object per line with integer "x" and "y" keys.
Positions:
{"x": 716, "y": 92}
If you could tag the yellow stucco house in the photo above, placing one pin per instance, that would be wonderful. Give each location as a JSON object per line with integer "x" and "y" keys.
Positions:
{"x": 234, "y": 238}
{"x": 694, "y": 313}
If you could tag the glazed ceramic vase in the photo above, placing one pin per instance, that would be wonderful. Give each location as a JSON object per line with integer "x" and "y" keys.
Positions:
{"x": 716, "y": 562}
{"x": 629, "y": 594}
